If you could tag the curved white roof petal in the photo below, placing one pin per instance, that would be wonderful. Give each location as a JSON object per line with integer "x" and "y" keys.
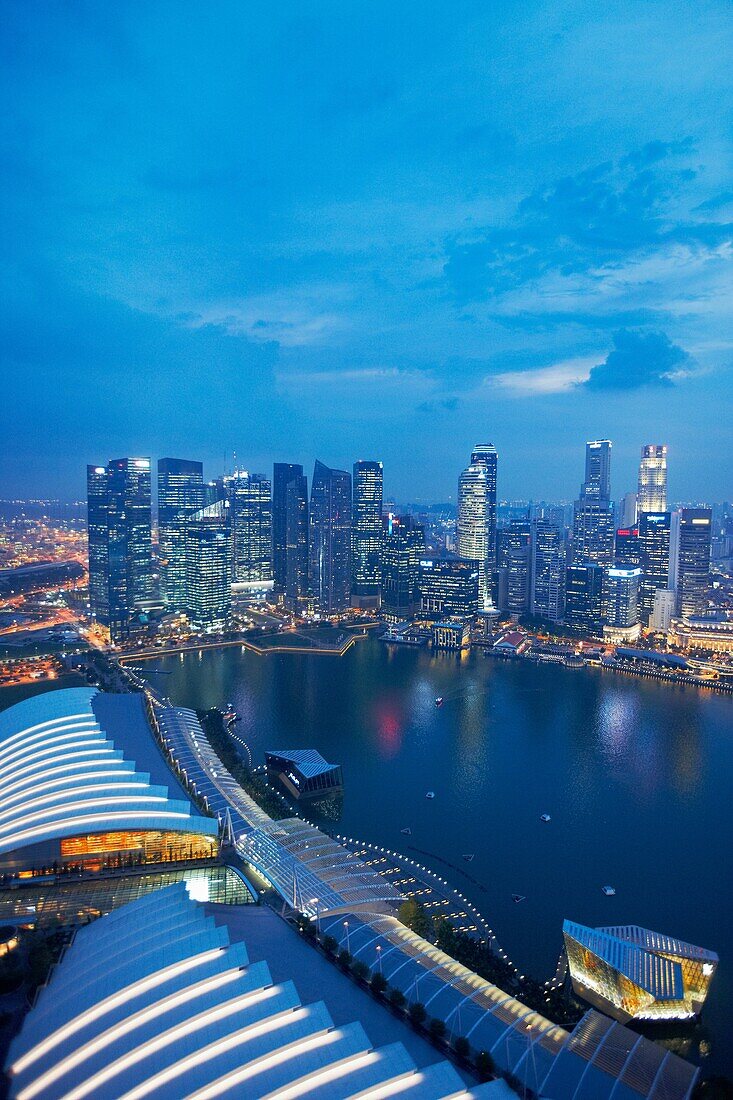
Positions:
{"x": 69, "y": 765}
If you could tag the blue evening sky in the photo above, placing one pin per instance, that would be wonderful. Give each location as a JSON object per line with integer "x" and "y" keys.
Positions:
{"x": 368, "y": 230}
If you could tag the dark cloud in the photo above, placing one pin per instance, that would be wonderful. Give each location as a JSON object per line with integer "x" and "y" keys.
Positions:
{"x": 638, "y": 359}
{"x": 598, "y": 216}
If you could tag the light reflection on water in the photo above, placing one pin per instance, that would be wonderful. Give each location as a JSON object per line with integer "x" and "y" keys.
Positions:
{"x": 634, "y": 774}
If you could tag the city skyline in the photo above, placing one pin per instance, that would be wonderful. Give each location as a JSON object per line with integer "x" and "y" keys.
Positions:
{"x": 383, "y": 234}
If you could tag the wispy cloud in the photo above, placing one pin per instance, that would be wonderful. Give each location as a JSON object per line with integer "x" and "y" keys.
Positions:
{"x": 556, "y": 378}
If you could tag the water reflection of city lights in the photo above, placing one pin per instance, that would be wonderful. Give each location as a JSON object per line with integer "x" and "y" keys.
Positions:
{"x": 389, "y": 730}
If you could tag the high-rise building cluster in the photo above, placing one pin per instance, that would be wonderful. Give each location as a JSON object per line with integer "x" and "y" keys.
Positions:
{"x": 600, "y": 569}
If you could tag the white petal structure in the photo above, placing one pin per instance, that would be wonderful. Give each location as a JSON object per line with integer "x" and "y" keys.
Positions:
{"x": 82, "y": 780}
{"x": 153, "y": 1000}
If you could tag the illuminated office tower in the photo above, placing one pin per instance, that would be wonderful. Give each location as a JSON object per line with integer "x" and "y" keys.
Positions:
{"x": 513, "y": 567}
{"x": 330, "y": 539}
{"x": 477, "y": 517}
{"x": 366, "y": 534}
{"x": 448, "y": 586}
{"x": 693, "y": 561}
{"x": 593, "y": 521}
{"x": 208, "y": 568}
{"x": 584, "y": 598}
{"x": 652, "y": 494}
{"x": 180, "y": 492}
{"x": 547, "y": 577}
{"x": 402, "y": 550}
{"x": 621, "y": 605}
{"x": 296, "y": 545}
{"x": 282, "y": 474}
{"x": 120, "y": 565}
{"x": 627, "y": 551}
{"x": 97, "y": 528}
{"x": 654, "y": 532}
{"x": 663, "y": 610}
{"x": 250, "y": 500}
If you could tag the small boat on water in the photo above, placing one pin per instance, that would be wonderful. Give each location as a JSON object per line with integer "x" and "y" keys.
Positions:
{"x": 516, "y": 898}
{"x": 545, "y": 817}
{"x": 439, "y": 701}
{"x": 430, "y": 794}
{"x": 468, "y": 856}
{"x": 406, "y": 832}
{"x": 609, "y": 891}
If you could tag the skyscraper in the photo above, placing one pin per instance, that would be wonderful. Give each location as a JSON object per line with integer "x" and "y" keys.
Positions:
{"x": 477, "y": 516}
{"x": 404, "y": 545}
{"x": 120, "y": 566}
{"x": 448, "y": 586}
{"x": 282, "y": 474}
{"x": 693, "y": 561}
{"x": 296, "y": 545}
{"x": 250, "y": 500}
{"x": 621, "y": 604}
{"x": 547, "y": 580}
{"x": 593, "y": 525}
{"x": 654, "y": 532}
{"x": 627, "y": 551}
{"x": 513, "y": 565}
{"x": 208, "y": 568}
{"x": 652, "y": 494}
{"x": 97, "y": 528}
{"x": 180, "y": 492}
{"x": 330, "y": 539}
{"x": 366, "y": 534}
{"x": 584, "y": 598}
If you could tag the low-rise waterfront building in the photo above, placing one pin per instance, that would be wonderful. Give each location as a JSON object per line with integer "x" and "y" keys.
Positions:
{"x": 304, "y": 773}
{"x": 632, "y": 973}
{"x": 710, "y": 633}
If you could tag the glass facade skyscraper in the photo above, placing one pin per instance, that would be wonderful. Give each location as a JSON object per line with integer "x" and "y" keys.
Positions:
{"x": 448, "y": 586}
{"x": 404, "y": 545}
{"x": 296, "y": 545}
{"x": 693, "y": 561}
{"x": 120, "y": 565}
{"x": 282, "y": 474}
{"x": 180, "y": 492}
{"x": 654, "y": 535}
{"x": 476, "y": 525}
{"x": 652, "y": 494}
{"x": 366, "y": 536}
{"x": 250, "y": 501}
{"x": 330, "y": 539}
{"x": 593, "y": 521}
{"x": 547, "y": 581}
{"x": 584, "y": 598}
{"x": 208, "y": 568}
{"x": 513, "y": 565}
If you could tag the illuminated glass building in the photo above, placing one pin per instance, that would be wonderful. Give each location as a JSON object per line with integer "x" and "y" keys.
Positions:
{"x": 120, "y": 565}
{"x": 180, "y": 492}
{"x": 694, "y": 526}
{"x": 627, "y": 553}
{"x": 513, "y": 559}
{"x": 584, "y": 598}
{"x": 547, "y": 581}
{"x": 448, "y": 586}
{"x": 403, "y": 547}
{"x": 476, "y": 525}
{"x": 654, "y": 535}
{"x": 208, "y": 568}
{"x": 282, "y": 474}
{"x": 652, "y": 494}
{"x": 330, "y": 539}
{"x": 634, "y": 974}
{"x": 250, "y": 502}
{"x": 366, "y": 534}
{"x": 593, "y": 520}
{"x": 296, "y": 545}
{"x": 621, "y": 604}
